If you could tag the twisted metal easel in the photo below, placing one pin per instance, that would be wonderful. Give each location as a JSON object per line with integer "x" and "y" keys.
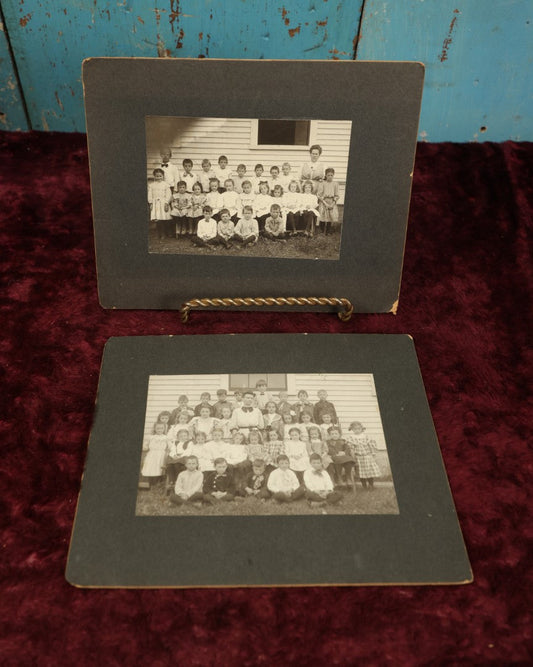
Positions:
{"x": 238, "y": 302}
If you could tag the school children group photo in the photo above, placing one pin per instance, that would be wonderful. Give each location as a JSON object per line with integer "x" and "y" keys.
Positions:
{"x": 263, "y": 206}
{"x": 255, "y": 447}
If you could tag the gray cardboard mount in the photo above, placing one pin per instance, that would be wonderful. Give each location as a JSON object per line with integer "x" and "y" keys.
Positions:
{"x": 382, "y": 99}
{"x": 112, "y": 547}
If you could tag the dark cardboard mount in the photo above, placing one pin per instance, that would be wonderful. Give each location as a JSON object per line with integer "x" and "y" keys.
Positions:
{"x": 112, "y": 547}
{"x": 382, "y": 99}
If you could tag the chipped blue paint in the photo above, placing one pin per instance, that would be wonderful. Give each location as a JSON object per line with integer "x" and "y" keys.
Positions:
{"x": 50, "y": 43}
{"x": 12, "y": 116}
{"x": 478, "y": 57}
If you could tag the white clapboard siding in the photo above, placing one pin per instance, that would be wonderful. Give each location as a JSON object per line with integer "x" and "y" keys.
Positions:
{"x": 353, "y": 395}
{"x": 199, "y": 138}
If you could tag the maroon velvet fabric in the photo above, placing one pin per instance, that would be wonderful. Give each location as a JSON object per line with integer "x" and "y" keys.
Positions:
{"x": 465, "y": 299}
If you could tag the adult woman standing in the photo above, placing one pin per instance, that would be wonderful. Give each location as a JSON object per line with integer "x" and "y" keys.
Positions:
{"x": 313, "y": 170}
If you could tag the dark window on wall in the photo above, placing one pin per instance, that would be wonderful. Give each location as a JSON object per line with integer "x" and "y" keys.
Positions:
{"x": 283, "y": 132}
{"x": 275, "y": 381}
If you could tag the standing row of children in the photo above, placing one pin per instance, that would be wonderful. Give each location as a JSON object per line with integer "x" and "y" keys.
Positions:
{"x": 256, "y": 428}
{"x": 280, "y": 205}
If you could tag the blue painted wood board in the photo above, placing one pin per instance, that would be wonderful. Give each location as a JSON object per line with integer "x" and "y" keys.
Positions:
{"x": 478, "y": 57}
{"x": 50, "y": 41}
{"x": 12, "y": 115}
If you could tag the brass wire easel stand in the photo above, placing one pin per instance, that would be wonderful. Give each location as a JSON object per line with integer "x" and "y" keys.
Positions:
{"x": 238, "y": 302}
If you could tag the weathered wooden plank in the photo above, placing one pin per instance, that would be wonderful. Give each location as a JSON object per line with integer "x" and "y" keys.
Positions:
{"x": 12, "y": 114}
{"x": 50, "y": 40}
{"x": 478, "y": 57}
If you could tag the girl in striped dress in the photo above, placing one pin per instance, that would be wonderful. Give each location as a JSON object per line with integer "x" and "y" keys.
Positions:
{"x": 363, "y": 449}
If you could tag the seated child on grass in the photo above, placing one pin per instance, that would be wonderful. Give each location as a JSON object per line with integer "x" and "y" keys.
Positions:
{"x": 218, "y": 485}
{"x": 274, "y": 225}
{"x": 247, "y": 230}
{"x": 318, "y": 485}
{"x": 283, "y": 483}
{"x": 189, "y": 484}
{"x": 206, "y": 233}
{"x": 225, "y": 229}
{"x": 256, "y": 481}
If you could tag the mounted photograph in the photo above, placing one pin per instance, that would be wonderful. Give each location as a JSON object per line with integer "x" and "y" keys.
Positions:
{"x": 264, "y": 443}
{"x": 245, "y": 186}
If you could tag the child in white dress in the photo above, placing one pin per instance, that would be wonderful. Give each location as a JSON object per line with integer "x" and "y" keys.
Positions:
{"x": 156, "y": 453}
{"x": 231, "y": 199}
{"x": 291, "y": 207}
{"x": 262, "y": 204}
{"x": 296, "y": 450}
{"x": 159, "y": 198}
{"x": 213, "y": 198}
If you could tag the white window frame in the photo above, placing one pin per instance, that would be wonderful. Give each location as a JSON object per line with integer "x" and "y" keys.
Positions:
{"x": 291, "y": 385}
{"x": 282, "y": 147}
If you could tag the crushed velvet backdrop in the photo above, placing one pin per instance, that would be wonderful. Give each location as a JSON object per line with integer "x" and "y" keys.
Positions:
{"x": 465, "y": 299}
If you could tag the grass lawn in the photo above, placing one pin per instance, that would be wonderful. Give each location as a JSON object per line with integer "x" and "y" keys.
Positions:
{"x": 296, "y": 247}
{"x": 382, "y": 500}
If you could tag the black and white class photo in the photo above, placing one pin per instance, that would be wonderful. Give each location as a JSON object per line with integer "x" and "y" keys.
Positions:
{"x": 263, "y": 443}
{"x": 246, "y": 187}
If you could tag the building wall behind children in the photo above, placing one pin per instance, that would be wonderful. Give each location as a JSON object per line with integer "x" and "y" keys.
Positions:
{"x": 199, "y": 138}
